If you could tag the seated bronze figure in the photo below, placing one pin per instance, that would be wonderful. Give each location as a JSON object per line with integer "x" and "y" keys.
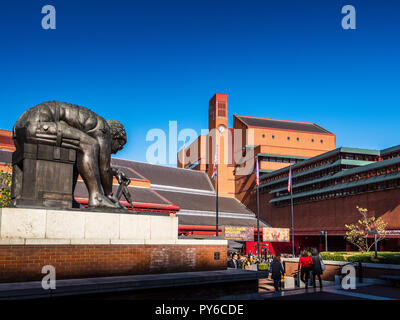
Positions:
{"x": 94, "y": 139}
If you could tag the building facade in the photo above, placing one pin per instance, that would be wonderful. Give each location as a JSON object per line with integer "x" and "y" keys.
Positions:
{"x": 328, "y": 188}
{"x": 328, "y": 182}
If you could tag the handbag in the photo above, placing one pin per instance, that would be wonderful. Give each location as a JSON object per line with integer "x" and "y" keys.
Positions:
{"x": 322, "y": 263}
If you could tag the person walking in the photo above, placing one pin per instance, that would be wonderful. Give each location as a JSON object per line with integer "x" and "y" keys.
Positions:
{"x": 305, "y": 266}
{"x": 317, "y": 266}
{"x": 277, "y": 272}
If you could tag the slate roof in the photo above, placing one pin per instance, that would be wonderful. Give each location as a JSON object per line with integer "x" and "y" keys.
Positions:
{"x": 169, "y": 176}
{"x": 282, "y": 124}
{"x": 138, "y": 194}
{"x": 5, "y": 156}
{"x": 210, "y": 221}
{"x": 201, "y": 202}
{"x": 129, "y": 172}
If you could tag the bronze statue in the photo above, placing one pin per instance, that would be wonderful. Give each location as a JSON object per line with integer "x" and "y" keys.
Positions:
{"x": 69, "y": 126}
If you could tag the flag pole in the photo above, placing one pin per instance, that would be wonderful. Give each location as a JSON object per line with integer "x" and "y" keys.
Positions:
{"x": 291, "y": 207}
{"x": 258, "y": 208}
{"x": 258, "y": 221}
{"x": 216, "y": 205}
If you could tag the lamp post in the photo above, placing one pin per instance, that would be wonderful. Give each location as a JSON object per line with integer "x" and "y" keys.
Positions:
{"x": 325, "y": 233}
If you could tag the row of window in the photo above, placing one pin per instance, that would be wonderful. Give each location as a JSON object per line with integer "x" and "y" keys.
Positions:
{"x": 343, "y": 193}
{"x": 297, "y": 139}
{"x": 345, "y": 179}
{"x": 285, "y": 160}
{"x": 330, "y": 160}
{"x": 392, "y": 155}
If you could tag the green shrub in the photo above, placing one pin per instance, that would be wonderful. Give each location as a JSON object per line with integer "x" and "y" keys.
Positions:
{"x": 366, "y": 257}
{"x": 263, "y": 267}
{"x": 359, "y": 258}
{"x": 332, "y": 256}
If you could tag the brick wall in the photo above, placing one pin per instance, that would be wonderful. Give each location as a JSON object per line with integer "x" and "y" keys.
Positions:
{"x": 25, "y": 262}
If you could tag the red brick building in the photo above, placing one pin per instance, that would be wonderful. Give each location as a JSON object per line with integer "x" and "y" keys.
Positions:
{"x": 328, "y": 182}
{"x": 328, "y": 188}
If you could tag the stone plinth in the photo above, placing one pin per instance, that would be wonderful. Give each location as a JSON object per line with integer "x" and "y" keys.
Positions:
{"x": 93, "y": 244}
{"x": 75, "y": 225}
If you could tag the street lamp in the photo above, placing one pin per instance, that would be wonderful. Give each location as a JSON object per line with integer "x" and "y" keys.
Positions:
{"x": 325, "y": 233}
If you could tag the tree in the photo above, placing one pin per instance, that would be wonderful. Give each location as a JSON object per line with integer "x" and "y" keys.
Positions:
{"x": 5, "y": 188}
{"x": 359, "y": 233}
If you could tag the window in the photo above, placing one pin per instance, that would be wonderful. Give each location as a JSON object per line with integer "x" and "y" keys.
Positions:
{"x": 263, "y": 135}
{"x": 322, "y": 141}
{"x": 297, "y": 139}
{"x": 312, "y": 140}
{"x": 273, "y": 137}
{"x": 288, "y": 138}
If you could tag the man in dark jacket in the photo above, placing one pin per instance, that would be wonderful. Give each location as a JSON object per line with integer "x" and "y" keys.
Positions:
{"x": 277, "y": 271}
{"x": 233, "y": 263}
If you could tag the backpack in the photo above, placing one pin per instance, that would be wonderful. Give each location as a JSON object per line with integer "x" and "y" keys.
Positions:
{"x": 322, "y": 263}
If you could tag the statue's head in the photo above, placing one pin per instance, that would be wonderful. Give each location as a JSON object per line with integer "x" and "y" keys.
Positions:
{"x": 118, "y": 135}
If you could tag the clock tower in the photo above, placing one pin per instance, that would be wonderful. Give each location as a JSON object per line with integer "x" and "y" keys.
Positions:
{"x": 218, "y": 112}
{"x": 219, "y": 141}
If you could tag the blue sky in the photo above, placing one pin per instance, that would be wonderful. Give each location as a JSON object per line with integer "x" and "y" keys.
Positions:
{"x": 149, "y": 62}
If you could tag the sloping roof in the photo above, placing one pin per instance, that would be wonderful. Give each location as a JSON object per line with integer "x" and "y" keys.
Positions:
{"x": 169, "y": 176}
{"x": 5, "y": 156}
{"x": 210, "y": 221}
{"x": 143, "y": 195}
{"x": 6, "y": 137}
{"x": 129, "y": 172}
{"x": 390, "y": 150}
{"x": 282, "y": 124}
{"x": 201, "y": 202}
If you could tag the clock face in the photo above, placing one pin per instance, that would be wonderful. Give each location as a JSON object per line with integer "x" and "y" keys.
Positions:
{"x": 221, "y": 128}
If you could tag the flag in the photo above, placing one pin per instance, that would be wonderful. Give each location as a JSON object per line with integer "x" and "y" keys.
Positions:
{"x": 289, "y": 186}
{"x": 214, "y": 173}
{"x": 257, "y": 174}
